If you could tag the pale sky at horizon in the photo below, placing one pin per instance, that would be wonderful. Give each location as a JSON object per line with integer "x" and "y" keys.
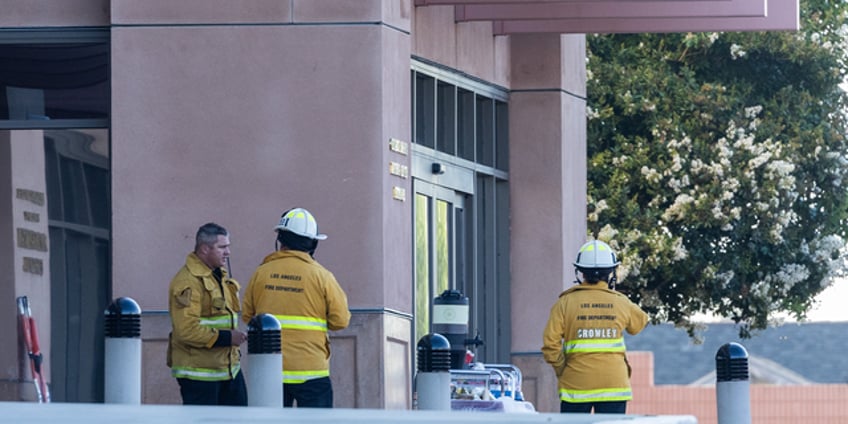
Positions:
{"x": 832, "y": 303}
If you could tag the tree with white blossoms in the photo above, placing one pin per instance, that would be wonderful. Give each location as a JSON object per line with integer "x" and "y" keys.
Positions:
{"x": 717, "y": 167}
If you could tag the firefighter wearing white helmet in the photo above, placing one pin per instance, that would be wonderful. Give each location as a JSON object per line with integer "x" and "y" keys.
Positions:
{"x": 300, "y": 222}
{"x": 597, "y": 262}
{"x": 307, "y": 300}
{"x": 584, "y": 337}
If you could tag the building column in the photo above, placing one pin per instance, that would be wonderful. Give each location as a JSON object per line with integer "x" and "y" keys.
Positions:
{"x": 24, "y": 254}
{"x": 258, "y": 109}
{"x": 547, "y": 191}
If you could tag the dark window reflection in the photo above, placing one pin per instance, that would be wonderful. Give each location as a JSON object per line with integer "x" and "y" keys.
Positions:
{"x": 54, "y": 81}
{"x": 77, "y": 171}
{"x": 97, "y": 180}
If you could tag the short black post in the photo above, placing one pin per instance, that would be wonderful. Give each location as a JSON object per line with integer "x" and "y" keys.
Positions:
{"x": 265, "y": 362}
{"x": 122, "y": 350}
{"x": 433, "y": 378}
{"x": 733, "y": 394}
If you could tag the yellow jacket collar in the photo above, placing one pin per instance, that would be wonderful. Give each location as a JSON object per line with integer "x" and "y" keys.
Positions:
{"x": 199, "y": 269}
{"x": 600, "y": 285}
{"x": 280, "y": 254}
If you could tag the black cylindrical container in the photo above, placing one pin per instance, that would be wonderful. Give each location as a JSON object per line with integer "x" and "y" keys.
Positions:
{"x": 450, "y": 319}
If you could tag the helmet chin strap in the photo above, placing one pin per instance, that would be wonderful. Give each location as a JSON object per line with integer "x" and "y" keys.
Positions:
{"x": 611, "y": 283}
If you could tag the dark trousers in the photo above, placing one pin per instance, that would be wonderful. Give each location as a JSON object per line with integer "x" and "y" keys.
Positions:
{"x": 600, "y": 407}
{"x": 229, "y": 392}
{"x": 316, "y": 393}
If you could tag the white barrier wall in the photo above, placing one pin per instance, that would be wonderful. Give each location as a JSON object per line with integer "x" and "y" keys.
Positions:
{"x": 70, "y": 413}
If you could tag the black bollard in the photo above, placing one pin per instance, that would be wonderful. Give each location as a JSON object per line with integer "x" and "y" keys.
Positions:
{"x": 122, "y": 362}
{"x": 265, "y": 362}
{"x": 433, "y": 378}
{"x": 733, "y": 394}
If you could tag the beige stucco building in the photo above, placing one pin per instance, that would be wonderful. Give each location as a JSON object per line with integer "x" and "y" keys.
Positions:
{"x": 440, "y": 144}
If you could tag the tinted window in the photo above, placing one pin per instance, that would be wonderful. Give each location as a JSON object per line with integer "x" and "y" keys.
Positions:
{"x": 54, "y": 81}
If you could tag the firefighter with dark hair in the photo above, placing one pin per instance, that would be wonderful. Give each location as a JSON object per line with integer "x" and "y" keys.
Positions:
{"x": 203, "y": 303}
{"x": 307, "y": 300}
{"x": 584, "y": 337}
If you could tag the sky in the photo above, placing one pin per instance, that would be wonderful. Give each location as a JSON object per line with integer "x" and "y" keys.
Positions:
{"x": 832, "y": 303}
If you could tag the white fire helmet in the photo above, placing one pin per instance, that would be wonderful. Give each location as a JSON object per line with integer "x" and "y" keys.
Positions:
{"x": 596, "y": 255}
{"x": 299, "y": 221}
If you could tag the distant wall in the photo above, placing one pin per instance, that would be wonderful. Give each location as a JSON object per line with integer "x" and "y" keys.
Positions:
{"x": 770, "y": 404}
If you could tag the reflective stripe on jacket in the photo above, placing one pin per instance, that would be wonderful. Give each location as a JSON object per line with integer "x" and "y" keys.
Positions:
{"x": 584, "y": 342}
{"x": 594, "y": 345}
{"x": 225, "y": 322}
{"x": 293, "y": 322}
{"x": 600, "y": 395}
{"x": 199, "y": 307}
{"x": 297, "y": 377}
{"x": 308, "y": 301}
{"x": 205, "y": 374}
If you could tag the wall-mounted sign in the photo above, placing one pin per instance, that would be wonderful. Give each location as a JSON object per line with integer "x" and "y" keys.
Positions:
{"x": 399, "y": 193}
{"x": 399, "y": 146}
{"x": 399, "y": 169}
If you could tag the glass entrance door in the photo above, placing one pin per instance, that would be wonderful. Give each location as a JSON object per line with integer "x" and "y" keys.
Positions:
{"x": 440, "y": 247}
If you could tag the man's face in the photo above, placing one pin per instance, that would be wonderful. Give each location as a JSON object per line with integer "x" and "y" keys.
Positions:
{"x": 215, "y": 255}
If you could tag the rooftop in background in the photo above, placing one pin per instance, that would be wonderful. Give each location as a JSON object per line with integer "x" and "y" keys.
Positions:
{"x": 813, "y": 350}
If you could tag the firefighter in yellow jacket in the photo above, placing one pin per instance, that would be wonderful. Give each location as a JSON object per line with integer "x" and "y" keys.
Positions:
{"x": 584, "y": 337}
{"x": 203, "y": 350}
{"x": 307, "y": 300}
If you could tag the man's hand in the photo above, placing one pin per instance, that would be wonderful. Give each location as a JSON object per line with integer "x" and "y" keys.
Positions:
{"x": 237, "y": 337}
{"x": 559, "y": 367}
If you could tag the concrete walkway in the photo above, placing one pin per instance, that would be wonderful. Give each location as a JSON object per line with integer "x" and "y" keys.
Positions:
{"x": 95, "y": 413}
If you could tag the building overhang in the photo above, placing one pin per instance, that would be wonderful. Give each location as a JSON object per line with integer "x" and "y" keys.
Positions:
{"x": 626, "y": 16}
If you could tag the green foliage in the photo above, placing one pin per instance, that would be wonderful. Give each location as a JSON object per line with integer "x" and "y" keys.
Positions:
{"x": 717, "y": 166}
